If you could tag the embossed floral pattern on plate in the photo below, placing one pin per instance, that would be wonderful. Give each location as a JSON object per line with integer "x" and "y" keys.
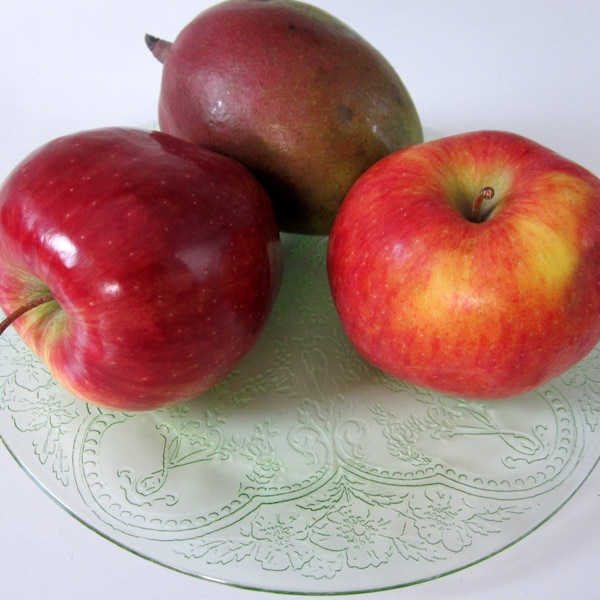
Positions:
{"x": 307, "y": 470}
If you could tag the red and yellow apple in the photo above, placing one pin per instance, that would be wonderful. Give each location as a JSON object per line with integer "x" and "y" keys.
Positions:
{"x": 145, "y": 267}
{"x": 470, "y": 264}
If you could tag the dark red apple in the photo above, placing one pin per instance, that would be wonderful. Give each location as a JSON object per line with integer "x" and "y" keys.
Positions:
{"x": 290, "y": 91}
{"x": 155, "y": 264}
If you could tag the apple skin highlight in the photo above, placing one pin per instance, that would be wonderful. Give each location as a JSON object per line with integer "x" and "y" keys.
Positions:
{"x": 479, "y": 310}
{"x": 164, "y": 261}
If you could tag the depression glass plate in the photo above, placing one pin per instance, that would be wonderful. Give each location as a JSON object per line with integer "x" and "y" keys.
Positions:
{"x": 307, "y": 470}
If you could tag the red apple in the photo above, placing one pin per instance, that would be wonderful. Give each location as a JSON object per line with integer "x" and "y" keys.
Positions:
{"x": 156, "y": 264}
{"x": 470, "y": 264}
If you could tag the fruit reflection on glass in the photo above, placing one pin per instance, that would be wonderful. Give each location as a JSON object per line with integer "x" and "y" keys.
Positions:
{"x": 470, "y": 264}
{"x": 138, "y": 267}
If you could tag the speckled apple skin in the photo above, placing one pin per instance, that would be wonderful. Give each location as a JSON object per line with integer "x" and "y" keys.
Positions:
{"x": 474, "y": 309}
{"x": 164, "y": 260}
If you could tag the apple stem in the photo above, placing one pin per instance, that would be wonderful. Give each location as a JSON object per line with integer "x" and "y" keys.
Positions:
{"x": 23, "y": 309}
{"x": 159, "y": 48}
{"x": 486, "y": 193}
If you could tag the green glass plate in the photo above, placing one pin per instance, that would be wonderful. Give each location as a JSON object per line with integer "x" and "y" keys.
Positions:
{"x": 307, "y": 470}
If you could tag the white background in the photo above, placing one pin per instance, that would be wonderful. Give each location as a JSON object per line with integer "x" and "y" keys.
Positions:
{"x": 529, "y": 66}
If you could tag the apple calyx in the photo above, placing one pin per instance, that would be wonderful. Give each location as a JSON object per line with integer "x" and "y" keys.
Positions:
{"x": 486, "y": 193}
{"x": 159, "y": 48}
{"x": 33, "y": 303}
